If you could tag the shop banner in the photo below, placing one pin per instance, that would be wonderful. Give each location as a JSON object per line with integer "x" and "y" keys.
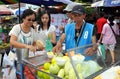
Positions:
{"x": 112, "y": 3}
{"x": 59, "y": 19}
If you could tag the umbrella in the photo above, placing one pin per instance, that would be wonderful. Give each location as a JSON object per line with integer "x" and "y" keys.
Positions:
{"x": 4, "y": 10}
{"x": 46, "y": 2}
{"x": 37, "y": 2}
{"x": 16, "y": 12}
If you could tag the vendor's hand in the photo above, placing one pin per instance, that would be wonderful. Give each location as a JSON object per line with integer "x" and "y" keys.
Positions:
{"x": 31, "y": 48}
{"x": 57, "y": 48}
{"x": 90, "y": 51}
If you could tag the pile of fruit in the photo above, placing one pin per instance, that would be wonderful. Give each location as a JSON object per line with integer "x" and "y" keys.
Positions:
{"x": 61, "y": 66}
{"x": 28, "y": 72}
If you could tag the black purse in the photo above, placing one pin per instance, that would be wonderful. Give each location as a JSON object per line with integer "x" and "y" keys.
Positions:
{"x": 115, "y": 35}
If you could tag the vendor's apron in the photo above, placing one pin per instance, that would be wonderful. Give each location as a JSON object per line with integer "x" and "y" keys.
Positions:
{"x": 25, "y": 38}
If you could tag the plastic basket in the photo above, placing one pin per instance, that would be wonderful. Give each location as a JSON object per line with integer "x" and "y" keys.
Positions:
{"x": 84, "y": 59}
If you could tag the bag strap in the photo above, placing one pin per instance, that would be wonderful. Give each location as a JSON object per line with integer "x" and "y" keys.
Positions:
{"x": 112, "y": 30}
{"x": 81, "y": 32}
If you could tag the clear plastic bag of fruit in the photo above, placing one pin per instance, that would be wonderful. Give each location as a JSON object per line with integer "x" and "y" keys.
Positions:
{"x": 85, "y": 62}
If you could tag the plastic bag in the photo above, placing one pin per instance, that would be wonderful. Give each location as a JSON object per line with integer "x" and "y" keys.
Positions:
{"x": 12, "y": 56}
{"x": 6, "y": 61}
{"x": 9, "y": 59}
{"x": 101, "y": 51}
{"x": 9, "y": 73}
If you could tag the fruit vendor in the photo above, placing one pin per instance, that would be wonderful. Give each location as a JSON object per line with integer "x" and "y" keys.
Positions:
{"x": 78, "y": 33}
{"x": 22, "y": 35}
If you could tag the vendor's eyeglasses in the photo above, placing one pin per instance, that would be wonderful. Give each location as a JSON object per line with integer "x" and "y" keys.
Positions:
{"x": 31, "y": 20}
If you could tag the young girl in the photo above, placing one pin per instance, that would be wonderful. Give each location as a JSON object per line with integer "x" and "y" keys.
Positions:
{"x": 45, "y": 28}
{"x": 107, "y": 37}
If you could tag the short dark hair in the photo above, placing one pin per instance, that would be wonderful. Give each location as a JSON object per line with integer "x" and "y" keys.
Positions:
{"x": 27, "y": 12}
{"x": 111, "y": 19}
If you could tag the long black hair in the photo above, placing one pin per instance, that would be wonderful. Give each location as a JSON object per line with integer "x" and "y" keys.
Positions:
{"x": 40, "y": 21}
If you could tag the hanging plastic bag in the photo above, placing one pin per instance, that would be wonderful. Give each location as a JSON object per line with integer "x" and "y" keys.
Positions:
{"x": 6, "y": 61}
{"x": 9, "y": 59}
{"x": 12, "y": 56}
{"x": 9, "y": 73}
{"x": 101, "y": 51}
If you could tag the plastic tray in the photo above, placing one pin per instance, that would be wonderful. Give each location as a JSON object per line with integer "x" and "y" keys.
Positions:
{"x": 37, "y": 59}
{"x": 31, "y": 66}
{"x": 82, "y": 50}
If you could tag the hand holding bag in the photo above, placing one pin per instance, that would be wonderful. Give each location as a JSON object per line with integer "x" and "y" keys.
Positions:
{"x": 101, "y": 52}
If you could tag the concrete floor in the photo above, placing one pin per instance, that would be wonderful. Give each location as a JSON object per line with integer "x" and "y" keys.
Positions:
{"x": 0, "y": 73}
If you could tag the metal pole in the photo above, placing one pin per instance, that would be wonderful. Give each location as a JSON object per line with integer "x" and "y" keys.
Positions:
{"x": 19, "y": 10}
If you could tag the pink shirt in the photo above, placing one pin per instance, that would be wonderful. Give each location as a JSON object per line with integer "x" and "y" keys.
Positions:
{"x": 108, "y": 36}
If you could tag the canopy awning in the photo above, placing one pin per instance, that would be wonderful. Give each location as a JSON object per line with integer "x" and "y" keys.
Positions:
{"x": 37, "y": 2}
{"x": 106, "y": 3}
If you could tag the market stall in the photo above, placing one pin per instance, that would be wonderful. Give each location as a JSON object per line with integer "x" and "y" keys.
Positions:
{"x": 72, "y": 65}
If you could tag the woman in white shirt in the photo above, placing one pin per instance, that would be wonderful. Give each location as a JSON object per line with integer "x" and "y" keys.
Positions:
{"x": 22, "y": 35}
{"x": 46, "y": 28}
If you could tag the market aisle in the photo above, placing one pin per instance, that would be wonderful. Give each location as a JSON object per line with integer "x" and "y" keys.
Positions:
{"x": 117, "y": 53}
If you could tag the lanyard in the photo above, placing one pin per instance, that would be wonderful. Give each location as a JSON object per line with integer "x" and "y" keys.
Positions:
{"x": 81, "y": 32}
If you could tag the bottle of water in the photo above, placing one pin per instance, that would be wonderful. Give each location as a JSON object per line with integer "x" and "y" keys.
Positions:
{"x": 48, "y": 44}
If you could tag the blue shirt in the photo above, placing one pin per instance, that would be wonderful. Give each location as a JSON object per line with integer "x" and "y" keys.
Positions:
{"x": 85, "y": 39}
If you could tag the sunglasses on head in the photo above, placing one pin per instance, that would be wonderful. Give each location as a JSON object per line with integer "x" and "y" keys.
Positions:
{"x": 31, "y": 20}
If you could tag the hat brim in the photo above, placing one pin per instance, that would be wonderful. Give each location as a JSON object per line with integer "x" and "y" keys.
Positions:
{"x": 66, "y": 10}
{"x": 77, "y": 12}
